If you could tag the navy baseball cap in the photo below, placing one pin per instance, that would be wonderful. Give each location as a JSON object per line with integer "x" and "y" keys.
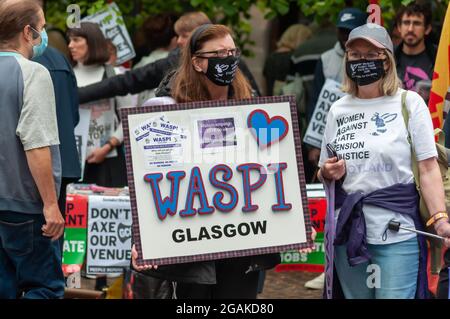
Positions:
{"x": 350, "y": 18}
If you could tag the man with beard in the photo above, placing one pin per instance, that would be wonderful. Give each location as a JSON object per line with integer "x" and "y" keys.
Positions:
{"x": 415, "y": 55}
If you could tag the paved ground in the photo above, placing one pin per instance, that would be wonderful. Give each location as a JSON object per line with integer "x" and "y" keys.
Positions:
{"x": 278, "y": 285}
{"x": 289, "y": 285}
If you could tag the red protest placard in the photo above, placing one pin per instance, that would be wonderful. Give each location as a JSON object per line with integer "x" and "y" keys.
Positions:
{"x": 317, "y": 209}
{"x": 76, "y": 211}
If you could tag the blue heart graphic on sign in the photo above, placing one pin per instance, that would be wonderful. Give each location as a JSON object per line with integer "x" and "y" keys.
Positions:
{"x": 265, "y": 129}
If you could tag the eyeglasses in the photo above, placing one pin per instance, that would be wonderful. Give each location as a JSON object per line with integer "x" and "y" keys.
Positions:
{"x": 36, "y": 31}
{"x": 415, "y": 24}
{"x": 223, "y": 53}
{"x": 354, "y": 55}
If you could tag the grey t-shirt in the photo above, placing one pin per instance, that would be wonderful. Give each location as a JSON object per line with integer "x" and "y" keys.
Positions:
{"x": 28, "y": 121}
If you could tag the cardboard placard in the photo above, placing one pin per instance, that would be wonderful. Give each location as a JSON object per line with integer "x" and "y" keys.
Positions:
{"x": 113, "y": 27}
{"x": 330, "y": 93}
{"x": 315, "y": 261}
{"x": 109, "y": 234}
{"x": 75, "y": 233}
{"x": 216, "y": 179}
{"x": 82, "y": 135}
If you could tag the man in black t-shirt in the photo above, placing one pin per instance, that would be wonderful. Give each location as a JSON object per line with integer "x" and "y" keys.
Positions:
{"x": 415, "y": 55}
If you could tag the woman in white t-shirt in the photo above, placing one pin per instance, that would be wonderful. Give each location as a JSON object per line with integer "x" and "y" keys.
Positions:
{"x": 374, "y": 178}
{"x": 105, "y": 161}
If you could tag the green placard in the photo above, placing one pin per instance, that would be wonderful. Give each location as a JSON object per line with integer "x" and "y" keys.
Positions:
{"x": 315, "y": 258}
{"x": 74, "y": 246}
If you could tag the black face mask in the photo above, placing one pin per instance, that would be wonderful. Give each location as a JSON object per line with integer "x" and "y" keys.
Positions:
{"x": 221, "y": 71}
{"x": 364, "y": 72}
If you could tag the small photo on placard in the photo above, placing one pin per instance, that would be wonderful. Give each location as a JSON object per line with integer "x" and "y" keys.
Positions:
{"x": 215, "y": 133}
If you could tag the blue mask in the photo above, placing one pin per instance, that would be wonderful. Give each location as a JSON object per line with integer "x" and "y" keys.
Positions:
{"x": 39, "y": 49}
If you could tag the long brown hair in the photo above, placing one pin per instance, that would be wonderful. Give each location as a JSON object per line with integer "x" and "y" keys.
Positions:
{"x": 190, "y": 85}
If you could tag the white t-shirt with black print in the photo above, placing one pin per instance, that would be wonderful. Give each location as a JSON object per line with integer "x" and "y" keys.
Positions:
{"x": 371, "y": 136}
{"x": 104, "y": 122}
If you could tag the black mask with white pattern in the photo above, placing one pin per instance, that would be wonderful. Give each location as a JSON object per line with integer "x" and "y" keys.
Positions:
{"x": 221, "y": 71}
{"x": 364, "y": 72}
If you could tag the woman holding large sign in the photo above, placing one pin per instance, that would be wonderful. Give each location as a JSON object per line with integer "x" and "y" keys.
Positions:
{"x": 209, "y": 72}
{"x": 373, "y": 172}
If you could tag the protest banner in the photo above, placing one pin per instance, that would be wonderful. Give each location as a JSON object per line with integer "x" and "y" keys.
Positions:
{"x": 315, "y": 261}
{"x": 81, "y": 135}
{"x": 74, "y": 247}
{"x": 109, "y": 234}
{"x": 216, "y": 179}
{"x": 113, "y": 27}
{"x": 330, "y": 93}
{"x": 295, "y": 261}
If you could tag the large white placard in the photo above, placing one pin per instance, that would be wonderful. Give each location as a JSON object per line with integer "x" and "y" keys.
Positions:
{"x": 109, "y": 234}
{"x": 216, "y": 193}
{"x": 113, "y": 27}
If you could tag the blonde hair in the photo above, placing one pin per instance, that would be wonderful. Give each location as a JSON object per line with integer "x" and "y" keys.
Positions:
{"x": 294, "y": 36}
{"x": 189, "y": 21}
{"x": 389, "y": 82}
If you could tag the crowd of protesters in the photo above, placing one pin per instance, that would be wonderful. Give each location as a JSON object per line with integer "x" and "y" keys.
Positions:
{"x": 45, "y": 84}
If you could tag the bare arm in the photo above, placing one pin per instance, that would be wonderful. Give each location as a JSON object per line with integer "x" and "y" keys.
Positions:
{"x": 433, "y": 192}
{"x": 431, "y": 185}
{"x": 40, "y": 164}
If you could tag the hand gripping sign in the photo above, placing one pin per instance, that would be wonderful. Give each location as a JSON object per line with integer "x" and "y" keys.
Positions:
{"x": 216, "y": 179}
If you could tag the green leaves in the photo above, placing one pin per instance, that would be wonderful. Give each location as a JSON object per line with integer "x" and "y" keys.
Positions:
{"x": 97, "y": 6}
{"x": 196, "y": 3}
{"x": 108, "y": 19}
{"x": 234, "y": 13}
{"x": 281, "y": 6}
{"x": 406, "y": 2}
{"x": 229, "y": 9}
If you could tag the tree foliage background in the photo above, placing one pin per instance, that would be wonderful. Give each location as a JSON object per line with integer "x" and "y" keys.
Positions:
{"x": 234, "y": 13}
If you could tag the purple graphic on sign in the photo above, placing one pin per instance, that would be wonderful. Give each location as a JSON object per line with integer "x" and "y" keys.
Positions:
{"x": 217, "y": 133}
